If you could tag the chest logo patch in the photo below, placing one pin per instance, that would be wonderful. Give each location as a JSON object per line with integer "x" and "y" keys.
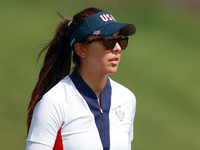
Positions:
{"x": 120, "y": 113}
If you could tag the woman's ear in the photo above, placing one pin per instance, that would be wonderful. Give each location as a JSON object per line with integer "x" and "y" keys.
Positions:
{"x": 80, "y": 50}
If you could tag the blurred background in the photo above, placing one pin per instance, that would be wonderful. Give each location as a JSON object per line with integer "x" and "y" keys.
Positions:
{"x": 160, "y": 66}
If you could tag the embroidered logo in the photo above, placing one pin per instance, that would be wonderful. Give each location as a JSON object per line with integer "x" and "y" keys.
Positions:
{"x": 72, "y": 41}
{"x": 107, "y": 17}
{"x": 120, "y": 113}
{"x": 97, "y": 32}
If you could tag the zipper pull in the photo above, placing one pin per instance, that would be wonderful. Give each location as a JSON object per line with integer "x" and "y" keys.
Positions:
{"x": 101, "y": 111}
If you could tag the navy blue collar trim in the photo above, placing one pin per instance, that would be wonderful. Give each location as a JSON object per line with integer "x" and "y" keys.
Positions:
{"x": 101, "y": 119}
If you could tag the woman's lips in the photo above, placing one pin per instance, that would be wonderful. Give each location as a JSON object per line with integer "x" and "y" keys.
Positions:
{"x": 114, "y": 61}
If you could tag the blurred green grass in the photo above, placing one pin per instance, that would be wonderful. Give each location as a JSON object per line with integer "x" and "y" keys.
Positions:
{"x": 160, "y": 66}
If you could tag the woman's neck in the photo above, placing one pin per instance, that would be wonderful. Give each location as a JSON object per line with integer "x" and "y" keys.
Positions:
{"x": 95, "y": 81}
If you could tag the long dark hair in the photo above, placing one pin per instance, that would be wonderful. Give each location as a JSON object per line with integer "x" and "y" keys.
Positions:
{"x": 57, "y": 62}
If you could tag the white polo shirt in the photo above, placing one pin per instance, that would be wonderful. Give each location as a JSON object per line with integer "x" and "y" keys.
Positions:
{"x": 68, "y": 117}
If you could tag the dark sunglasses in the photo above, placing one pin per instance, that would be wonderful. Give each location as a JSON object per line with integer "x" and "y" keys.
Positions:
{"x": 109, "y": 42}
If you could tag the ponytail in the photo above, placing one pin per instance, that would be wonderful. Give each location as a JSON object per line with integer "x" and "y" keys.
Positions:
{"x": 57, "y": 62}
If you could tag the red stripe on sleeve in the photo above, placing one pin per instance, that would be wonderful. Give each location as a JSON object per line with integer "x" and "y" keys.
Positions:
{"x": 58, "y": 143}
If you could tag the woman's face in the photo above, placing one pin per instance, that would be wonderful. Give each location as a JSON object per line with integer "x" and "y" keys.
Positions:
{"x": 100, "y": 60}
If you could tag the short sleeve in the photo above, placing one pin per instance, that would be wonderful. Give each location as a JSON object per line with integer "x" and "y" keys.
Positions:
{"x": 37, "y": 146}
{"x": 46, "y": 121}
{"x": 131, "y": 130}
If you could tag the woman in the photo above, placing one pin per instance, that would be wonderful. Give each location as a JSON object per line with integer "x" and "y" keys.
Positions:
{"x": 85, "y": 110}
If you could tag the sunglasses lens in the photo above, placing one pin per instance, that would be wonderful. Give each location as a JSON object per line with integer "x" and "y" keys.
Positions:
{"x": 123, "y": 42}
{"x": 109, "y": 43}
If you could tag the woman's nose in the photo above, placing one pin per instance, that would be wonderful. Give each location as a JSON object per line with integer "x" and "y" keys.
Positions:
{"x": 117, "y": 47}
